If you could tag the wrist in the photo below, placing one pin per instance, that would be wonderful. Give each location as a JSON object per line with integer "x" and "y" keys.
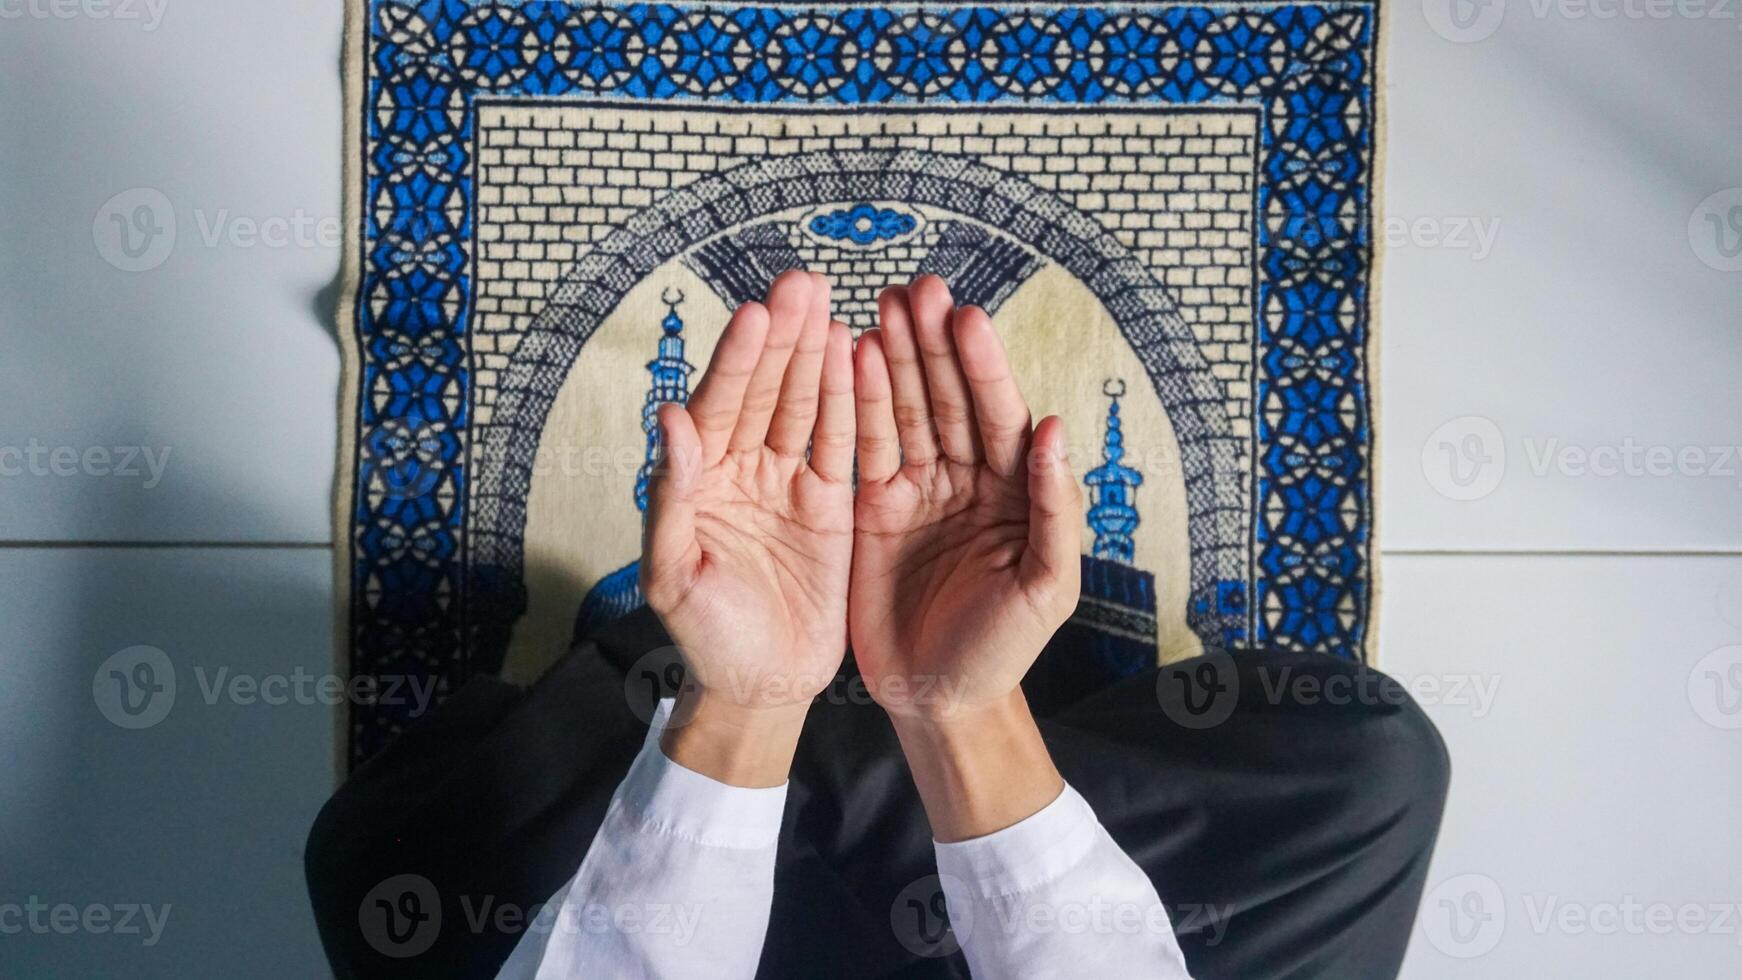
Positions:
{"x": 979, "y": 768}
{"x": 732, "y": 743}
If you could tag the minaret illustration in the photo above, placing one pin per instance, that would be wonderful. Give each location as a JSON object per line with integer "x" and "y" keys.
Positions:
{"x": 1117, "y": 610}
{"x": 619, "y": 593}
{"x": 671, "y": 383}
{"x": 1114, "y": 517}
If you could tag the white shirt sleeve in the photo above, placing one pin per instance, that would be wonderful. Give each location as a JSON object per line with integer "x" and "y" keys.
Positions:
{"x": 1054, "y": 896}
{"x": 677, "y": 883}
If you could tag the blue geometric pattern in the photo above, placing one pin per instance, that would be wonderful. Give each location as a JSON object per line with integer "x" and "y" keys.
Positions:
{"x": 863, "y": 224}
{"x": 1306, "y": 66}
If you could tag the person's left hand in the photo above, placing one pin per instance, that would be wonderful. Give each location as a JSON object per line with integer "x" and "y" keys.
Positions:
{"x": 967, "y": 524}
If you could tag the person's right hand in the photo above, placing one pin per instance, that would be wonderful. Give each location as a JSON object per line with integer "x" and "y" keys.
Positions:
{"x": 966, "y": 524}
{"x": 749, "y": 533}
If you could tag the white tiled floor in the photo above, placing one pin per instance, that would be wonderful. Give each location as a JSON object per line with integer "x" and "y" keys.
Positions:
{"x": 1591, "y": 784}
{"x": 1588, "y": 777}
{"x": 205, "y": 810}
{"x": 1583, "y": 145}
{"x": 222, "y": 357}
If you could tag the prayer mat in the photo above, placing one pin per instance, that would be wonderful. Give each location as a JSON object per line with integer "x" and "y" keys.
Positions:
{"x": 1167, "y": 208}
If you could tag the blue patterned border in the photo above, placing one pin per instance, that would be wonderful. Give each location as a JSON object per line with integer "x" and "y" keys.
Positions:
{"x": 1307, "y": 66}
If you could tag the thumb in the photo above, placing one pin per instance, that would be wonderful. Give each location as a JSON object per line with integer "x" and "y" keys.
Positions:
{"x": 670, "y": 556}
{"x": 1054, "y": 511}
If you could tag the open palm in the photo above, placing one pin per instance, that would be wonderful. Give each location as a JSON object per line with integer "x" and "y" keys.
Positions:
{"x": 966, "y": 542}
{"x": 749, "y": 539}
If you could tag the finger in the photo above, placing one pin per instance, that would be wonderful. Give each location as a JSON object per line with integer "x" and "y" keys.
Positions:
{"x": 671, "y": 556}
{"x": 832, "y": 441}
{"x": 908, "y": 398}
{"x": 952, "y": 414}
{"x": 796, "y": 414}
{"x": 715, "y": 404}
{"x": 999, "y": 409}
{"x": 788, "y": 303}
{"x": 879, "y": 444}
{"x": 1054, "y": 509}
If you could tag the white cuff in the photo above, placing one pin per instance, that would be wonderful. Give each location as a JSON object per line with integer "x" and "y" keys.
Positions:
{"x": 684, "y": 803}
{"x": 1027, "y": 854}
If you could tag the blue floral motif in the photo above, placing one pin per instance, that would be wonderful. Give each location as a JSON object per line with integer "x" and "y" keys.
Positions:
{"x": 704, "y": 54}
{"x": 863, "y": 224}
{"x": 422, "y": 104}
{"x": 916, "y": 60}
{"x": 494, "y": 45}
{"x": 811, "y": 57}
{"x": 603, "y": 51}
{"x": 1242, "y": 53}
{"x": 1028, "y": 55}
{"x": 1136, "y": 54}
